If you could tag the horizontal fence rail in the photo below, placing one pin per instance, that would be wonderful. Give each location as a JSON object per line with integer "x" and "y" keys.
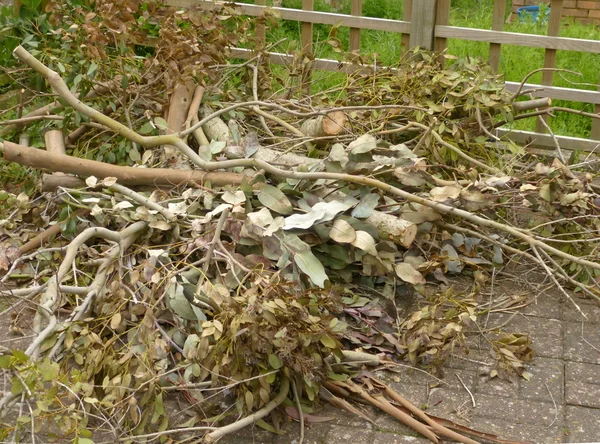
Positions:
{"x": 426, "y": 24}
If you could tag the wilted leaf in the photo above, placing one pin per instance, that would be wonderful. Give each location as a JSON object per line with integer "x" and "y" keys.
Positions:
{"x": 320, "y": 212}
{"x": 328, "y": 341}
{"x": 408, "y": 273}
{"x": 234, "y": 198}
{"x": 342, "y": 232}
{"x": 475, "y": 200}
{"x": 312, "y": 267}
{"x": 366, "y": 206}
{"x": 365, "y": 242}
{"x": 441, "y": 194}
{"x": 417, "y": 213}
{"x": 274, "y": 199}
{"x": 363, "y": 144}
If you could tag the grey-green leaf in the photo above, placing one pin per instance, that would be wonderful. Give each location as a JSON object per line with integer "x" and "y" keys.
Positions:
{"x": 312, "y": 267}
{"x": 274, "y": 199}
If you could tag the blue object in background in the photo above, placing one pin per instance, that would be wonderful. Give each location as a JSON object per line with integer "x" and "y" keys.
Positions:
{"x": 532, "y": 12}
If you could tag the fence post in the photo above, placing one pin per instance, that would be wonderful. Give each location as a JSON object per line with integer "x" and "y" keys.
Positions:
{"x": 355, "y": 9}
{"x": 406, "y": 17}
{"x": 307, "y": 46}
{"x": 442, "y": 18}
{"x": 260, "y": 34}
{"x": 497, "y": 25}
{"x": 422, "y": 24}
{"x": 550, "y": 54}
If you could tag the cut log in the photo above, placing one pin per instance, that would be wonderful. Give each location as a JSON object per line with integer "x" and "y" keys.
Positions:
{"x": 215, "y": 129}
{"x": 331, "y": 124}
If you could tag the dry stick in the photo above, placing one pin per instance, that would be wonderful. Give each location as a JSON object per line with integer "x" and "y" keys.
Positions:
{"x": 437, "y": 427}
{"x": 211, "y": 249}
{"x": 284, "y": 389}
{"x": 39, "y": 240}
{"x": 300, "y": 413}
{"x": 255, "y": 97}
{"x": 61, "y": 88}
{"x": 30, "y": 119}
{"x": 192, "y": 117}
{"x": 535, "y": 71}
{"x": 389, "y": 409}
{"x": 143, "y": 200}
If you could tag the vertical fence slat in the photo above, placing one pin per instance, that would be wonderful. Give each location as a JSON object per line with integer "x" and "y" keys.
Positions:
{"x": 260, "y": 31}
{"x": 422, "y": 24}
{"x": 595, "y": 122}
{"x": 406, "y": 17}
{"x": 550, "y": 54}
{"x": 307, "y": 46}
{"x": 355, "y": 9}
{"x": 497, "y": 25}
{"x": 307, "y": 28}
{"x": 442, "y": 18}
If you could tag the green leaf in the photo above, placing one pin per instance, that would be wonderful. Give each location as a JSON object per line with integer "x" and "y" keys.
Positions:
{"x": 328, "y": 341}
{"x": 366, "y": 206}
{"x": 5, "y": 361}
{"x": 312, "y": 267}
{"x": 49, "y": 370}
{"x": 146, "y": 128}
{"x": 160, "y": 123}
{"x": 81, "y": 440}
{"x": 274, "y": 199}
{"x": 275, "y": 362}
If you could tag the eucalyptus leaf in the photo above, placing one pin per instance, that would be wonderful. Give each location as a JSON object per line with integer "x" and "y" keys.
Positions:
{"x": 312, "y": 267}
{"x": 274, "y": 199}
{"x": 366, "y": 206}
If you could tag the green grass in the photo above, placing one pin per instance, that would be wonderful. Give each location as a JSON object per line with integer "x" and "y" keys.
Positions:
{"x": 516, "y": 62}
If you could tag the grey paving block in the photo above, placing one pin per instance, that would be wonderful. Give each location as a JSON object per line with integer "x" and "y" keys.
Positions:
{"x": 590, "y": 308}
{"x": 544, "y": 306}
{"x": 250, "y": 435}
{"x": 394, "y": 438}
{"x": 582, "y": 424}
{"x": 583, "y": 384}
{"x": 582, "y": 347}
{"x": 509, "y": 430}
{"x": 517, "y": 411}
{"x": 546, "y": 334}
{"x": 498, "y": 387}
{"x": 547, "y": 382}
{"x": 387, "y": 424}
{"x": 344, "y": 435}
{"x": 450, "y": 404}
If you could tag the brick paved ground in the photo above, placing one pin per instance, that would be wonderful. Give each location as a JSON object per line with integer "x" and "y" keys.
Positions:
{"x": 561, "y": 403}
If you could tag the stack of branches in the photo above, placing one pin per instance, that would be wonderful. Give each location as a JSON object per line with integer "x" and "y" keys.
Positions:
{"x": 251, "y": 253}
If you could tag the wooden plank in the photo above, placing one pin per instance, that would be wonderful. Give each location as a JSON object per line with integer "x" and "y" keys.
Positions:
{"x": 557, "y": 92}
{"x": 550, "y": 54}
{"x": 407, "y": 13}
{"x": 325, "y": 18}
{"x": 260, "y": 33}
{"x": 596, "y": 122}
{"x": 307, "y": 28}
{"x": 518, "y": 39}
{"x": 355, "y": 9}
{"x": 422, "y": 24}
{"x": 545, "y": 141}
{"x": 442, "y": 18}
{"x": 497, "y": 25}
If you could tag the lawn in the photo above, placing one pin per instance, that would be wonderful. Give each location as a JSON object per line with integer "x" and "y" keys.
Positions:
{"x": 516, "y": 61}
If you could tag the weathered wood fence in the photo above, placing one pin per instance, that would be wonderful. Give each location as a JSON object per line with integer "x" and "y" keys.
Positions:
{"x": 426, "y": 24}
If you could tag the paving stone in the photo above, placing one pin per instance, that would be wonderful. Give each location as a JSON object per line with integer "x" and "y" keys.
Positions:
{"x": 498, "y": 387}
{"x": 582, "y": 348}
{"x": 583, "y": 384}
{"x": 589, "y": 308}
{"x": 249, "y": 435}
{"x": 583, "y": 424}
{"x": 546, "y": 334}
{"x": 544, "y": 306}
{"x": 344, "y": 435}
{"x": 547, "y": 382}
{"x": 517, "y": 411}
{"x": 347, "y": 419}
{"x": 510, "y": 430}
{"x": 475, "y": 360}
{"x": 456, "y": 406}
{"x": 394, "y": 438}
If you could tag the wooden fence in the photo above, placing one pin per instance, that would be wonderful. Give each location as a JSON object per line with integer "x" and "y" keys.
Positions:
{"x": 426, "y": 24}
